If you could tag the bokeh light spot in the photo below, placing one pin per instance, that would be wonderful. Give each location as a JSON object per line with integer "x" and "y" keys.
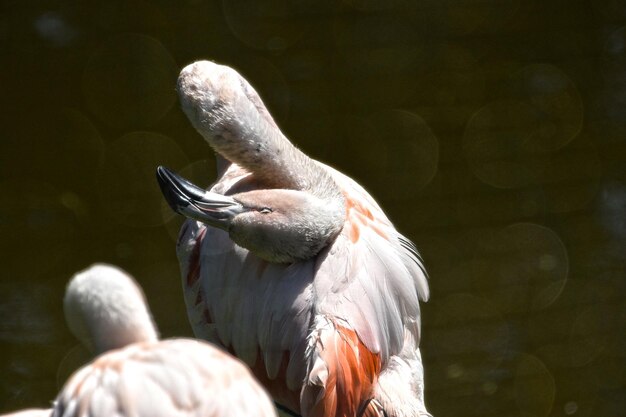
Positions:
{"x": 471, "y": 332}
{"x": 520, "y": 268}
{"x": 548, "y": 262}
{"x": 129, "y": 81}
{"x": 265, "y": 24}
{"x": 570, "y": 408}
{"x": 40, "y": 230}
{"x": 129, "y": 191}
{"x": 534, "y": 386}
{"x": 377, "y": 65}
{"x": 54, "y": 28}
{"x": 612, "y": 205}
{"x": 489, "y": 387}
{"x": 558, "y": 107}
{"x": 590, "y": 333}
{"x": 395, "y": 152}
{"x": 495, "y": 144}
{"x": 572, "y": 179}
{"x": 454, "y": 371}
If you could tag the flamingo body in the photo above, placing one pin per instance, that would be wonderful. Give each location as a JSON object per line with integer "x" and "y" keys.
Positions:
{"x": 262, "y": 312}
{"x": 176, "y": 377}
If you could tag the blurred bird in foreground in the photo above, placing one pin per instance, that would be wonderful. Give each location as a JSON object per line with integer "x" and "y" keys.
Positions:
{"x": 137, "y": 375}
{"x": 292, "y": 266}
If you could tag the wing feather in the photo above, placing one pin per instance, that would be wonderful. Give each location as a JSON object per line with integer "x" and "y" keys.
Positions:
{"x": 371, "y": 284}
{"x": 289, "y": 305}
{"x": 254, "y": 305}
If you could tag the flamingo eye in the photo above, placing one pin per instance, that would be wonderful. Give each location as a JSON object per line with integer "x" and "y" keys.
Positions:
{"x": 265, "y": 210}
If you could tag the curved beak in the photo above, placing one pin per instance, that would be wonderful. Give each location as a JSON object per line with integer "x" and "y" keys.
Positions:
{"x": 191, "y": 201}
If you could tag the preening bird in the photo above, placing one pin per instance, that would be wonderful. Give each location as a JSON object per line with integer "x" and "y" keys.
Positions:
{"x": 292, "y": 266}
{"x": 137, "y": 375}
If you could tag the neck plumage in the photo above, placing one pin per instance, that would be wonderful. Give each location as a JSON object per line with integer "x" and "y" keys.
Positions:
{"x": 229, "y": 114}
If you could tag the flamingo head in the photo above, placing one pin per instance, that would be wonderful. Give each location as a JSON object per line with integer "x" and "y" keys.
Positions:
{"x": 277, "y": 225}
{"x": 106, "y": 309}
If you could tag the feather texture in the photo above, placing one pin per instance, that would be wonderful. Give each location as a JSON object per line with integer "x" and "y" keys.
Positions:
{"x": 171, "y": 378}
{"x": 369, "y": 279}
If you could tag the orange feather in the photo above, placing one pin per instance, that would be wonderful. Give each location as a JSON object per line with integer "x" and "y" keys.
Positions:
{"x": 352, "y": 372}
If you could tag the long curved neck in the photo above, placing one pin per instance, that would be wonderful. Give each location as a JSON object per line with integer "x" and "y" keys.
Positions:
{"x": 230, "y": 115}
{"x": 246, "y": 137}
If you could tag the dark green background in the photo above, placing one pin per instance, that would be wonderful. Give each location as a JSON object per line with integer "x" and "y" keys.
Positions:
{"x": 492, "y": 132}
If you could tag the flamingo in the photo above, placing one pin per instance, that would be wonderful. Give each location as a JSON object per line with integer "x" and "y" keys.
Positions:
{"x": 137, "y": 375}
{"x": 292, "y": 266}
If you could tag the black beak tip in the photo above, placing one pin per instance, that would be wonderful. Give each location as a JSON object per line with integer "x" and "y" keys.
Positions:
{"x": 165, "y": 178}
{"x": 162, "y": 174}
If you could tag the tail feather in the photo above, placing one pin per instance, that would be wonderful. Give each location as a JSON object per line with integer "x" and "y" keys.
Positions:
{"x": 342, "y": 375}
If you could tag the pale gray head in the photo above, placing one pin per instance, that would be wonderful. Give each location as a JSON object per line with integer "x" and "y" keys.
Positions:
{"x": 105, "y": 309}
{"x": 278, "y": 225}
{"x": 298, "y": 208}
